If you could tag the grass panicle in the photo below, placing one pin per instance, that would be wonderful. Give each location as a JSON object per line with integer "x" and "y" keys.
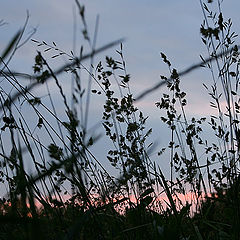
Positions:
{"x": 54, "y": 185}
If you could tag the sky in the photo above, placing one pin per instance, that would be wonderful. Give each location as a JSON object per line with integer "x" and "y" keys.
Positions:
{"x": 149, "y": 27}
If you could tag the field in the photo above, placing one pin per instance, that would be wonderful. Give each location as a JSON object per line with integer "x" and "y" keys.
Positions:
{"x": 53, "y": 186}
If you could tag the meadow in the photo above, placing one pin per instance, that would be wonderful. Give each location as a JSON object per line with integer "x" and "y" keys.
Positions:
{"x": 53, "y": 186}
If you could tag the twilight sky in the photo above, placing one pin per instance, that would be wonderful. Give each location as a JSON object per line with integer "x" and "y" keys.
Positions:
{"x": 149, "y": 26}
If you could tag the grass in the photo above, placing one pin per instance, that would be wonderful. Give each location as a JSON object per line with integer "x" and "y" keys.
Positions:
{"x": 68, "y": 194}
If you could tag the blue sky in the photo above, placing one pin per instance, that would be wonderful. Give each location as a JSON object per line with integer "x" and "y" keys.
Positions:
{"x": 149, "y": 26}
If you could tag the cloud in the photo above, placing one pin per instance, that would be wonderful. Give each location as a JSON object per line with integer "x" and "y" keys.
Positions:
{"x": 150, "y": 27}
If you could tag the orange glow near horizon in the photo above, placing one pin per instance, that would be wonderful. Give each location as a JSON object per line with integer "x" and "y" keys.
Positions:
{"x": 160, "y": 202}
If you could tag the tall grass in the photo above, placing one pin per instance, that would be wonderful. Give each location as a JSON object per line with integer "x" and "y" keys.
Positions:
{"x": 57, "y": 188}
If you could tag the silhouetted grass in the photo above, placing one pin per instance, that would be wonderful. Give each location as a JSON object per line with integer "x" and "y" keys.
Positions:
{"x": 56, "y": 188}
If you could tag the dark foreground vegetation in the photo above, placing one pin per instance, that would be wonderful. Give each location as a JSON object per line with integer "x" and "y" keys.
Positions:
{"x": 57, "y": 188}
